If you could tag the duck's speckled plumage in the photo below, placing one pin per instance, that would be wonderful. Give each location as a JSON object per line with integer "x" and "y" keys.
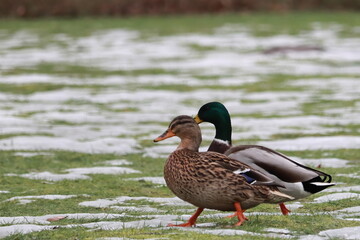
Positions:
{"x": 210, "y": 179}
{"x": 205, "y": 180}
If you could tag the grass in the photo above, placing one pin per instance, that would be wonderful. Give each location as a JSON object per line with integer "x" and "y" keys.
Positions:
{"x": 264, "y": 24}
{"x": 103, "y": 186}
{"x": 64, "y": 69}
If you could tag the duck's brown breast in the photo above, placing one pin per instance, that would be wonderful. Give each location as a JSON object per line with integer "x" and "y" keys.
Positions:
{"x": 203, "y": 185}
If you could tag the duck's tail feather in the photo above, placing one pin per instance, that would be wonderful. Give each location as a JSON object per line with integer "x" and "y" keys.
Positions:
{"x": 318, "y": 184}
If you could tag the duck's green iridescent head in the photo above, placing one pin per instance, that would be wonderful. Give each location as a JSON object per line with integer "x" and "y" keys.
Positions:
{"x": 217, "y": 114}
{"x": 213, "y": 112}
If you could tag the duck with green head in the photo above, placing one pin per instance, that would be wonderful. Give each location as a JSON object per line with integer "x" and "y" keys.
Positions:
{"x": 298, "y": 180}
{"x": 213, "y": 180}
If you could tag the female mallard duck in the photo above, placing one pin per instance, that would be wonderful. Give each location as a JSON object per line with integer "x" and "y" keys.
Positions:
{"x": 212, "y": 180}
{"x": 297, "y": 180}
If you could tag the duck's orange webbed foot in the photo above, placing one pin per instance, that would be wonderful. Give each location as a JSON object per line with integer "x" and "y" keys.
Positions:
{"x": 191, "y": 221}
{"x": 239, "y": 214}
{"x": 284, "y": 209}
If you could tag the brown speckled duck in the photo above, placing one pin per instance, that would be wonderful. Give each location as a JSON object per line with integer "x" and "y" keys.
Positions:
{"x": 213, "y": 180}
{"x": 297, "y": 180}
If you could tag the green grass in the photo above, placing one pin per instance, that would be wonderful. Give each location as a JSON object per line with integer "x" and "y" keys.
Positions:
{"x": 64, "y": 69}
{"x": 263, "y": 24}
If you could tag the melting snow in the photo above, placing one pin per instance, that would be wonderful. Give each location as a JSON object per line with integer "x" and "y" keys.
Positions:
{"x": 314, "y": 143}
{"x": 323, "y": 162}
{"x": 101, "y": 203}
{"x": 22, "y": 229}
{"x": 29, "y": 199}
{"x": 31, "y": 154}
{"x": 343, "y": 233}
{"x": 343, "y": 189}
{"x": 351, "y": 175}
{"x": 155, "y": 180}
{"x": 118, "y": 162}
{"x": 76, "y": 173}
{"x": 336, "y": 197}
{"x": 43, "y": 219}
{"x": 88, "y": 128}
{"x": 106, "y": 145}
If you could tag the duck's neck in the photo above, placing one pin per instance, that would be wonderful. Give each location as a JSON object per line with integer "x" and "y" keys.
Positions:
{"x": 192, "y": 144}
{"x": 222, "y": 140}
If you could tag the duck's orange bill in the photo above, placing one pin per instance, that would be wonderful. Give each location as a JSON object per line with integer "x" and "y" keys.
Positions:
{"x": 167, "y": 134}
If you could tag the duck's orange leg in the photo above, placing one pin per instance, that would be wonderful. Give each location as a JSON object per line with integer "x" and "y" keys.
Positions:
{"x": 240, "y": 214}
{"x": 234, "y": 215}
{"x": 191, "y": 221}
{"x": 284, "y": 209}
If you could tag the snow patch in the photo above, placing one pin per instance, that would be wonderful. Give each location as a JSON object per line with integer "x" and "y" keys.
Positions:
{"x": 314, "y": 143}
{"x": 323, "y": 162}
{"x": 155, "y": 180}
{"x": 29, "y": 199}
{"x": 118, "y": 162}
{"x": 336, "y": 197}
{"x": 35, "y": 143}
{"x": 343, "y": 233}
{"x": 101, "y": 203}
{"x": 76, "y": 173}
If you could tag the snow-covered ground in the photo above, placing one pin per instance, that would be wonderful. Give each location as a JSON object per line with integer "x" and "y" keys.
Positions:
{"x": 45, "y": 121}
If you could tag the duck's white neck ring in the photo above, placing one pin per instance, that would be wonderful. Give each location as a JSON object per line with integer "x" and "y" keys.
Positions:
{"x": 222, "y": 142}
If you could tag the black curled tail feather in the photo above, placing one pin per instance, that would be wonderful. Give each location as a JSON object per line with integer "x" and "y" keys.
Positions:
{"x": 317, "y": 184}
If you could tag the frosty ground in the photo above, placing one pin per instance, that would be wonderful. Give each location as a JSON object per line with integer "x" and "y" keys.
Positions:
{"x": 111, "y": 92}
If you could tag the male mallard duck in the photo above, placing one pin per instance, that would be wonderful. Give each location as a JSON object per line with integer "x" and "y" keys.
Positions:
{"x": 213, "y": 180}
{"x": 297, "y": 180}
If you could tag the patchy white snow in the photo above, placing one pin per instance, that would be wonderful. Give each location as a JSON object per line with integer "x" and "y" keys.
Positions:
{"x": 293, "y": 205}
{"x": 343, "y": 189}
{"x": 36, "y": 143}
{"x": 44, "y": 219}
{"x": 76, "y": 173}
{"x": 323, "y": 162}
{"x": 160, "y": 151}
{"x": 343, "y": 233}
{"x": 29, "y": 199}
{"x": 155, "y": 180}
{"x": 32, "y": 154}
{"x": 22, "y": 229}
{"x": 221, "y": 232}
{"x": 336, "y": 197}
{"x": 118, "y": 162}
{"x": 351, "y": 210}
{"x": 137, "y": 208}
{"x": 100, "y": 203}
{"x": 236, "y": 52}
{"x": 314, "y": 143}
{"x": 121, "y": 111}
{"x": 350, "y": 175}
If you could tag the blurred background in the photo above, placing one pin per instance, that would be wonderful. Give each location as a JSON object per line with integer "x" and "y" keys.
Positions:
{"x": 76, "y": 8}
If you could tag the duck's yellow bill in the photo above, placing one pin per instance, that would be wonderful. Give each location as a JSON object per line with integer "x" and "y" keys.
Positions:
{"x": 197, "y": 119}
{"x": 167, "y": 134}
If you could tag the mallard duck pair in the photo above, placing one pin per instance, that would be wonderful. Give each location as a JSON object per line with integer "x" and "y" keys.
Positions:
{"x": 232, "y": 178}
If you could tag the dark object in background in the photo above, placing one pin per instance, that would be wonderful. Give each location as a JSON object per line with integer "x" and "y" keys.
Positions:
{"x": 76, "y": 8}
{"x": 286, "y": 49}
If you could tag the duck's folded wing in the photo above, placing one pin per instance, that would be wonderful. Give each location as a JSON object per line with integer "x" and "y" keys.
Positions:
{"x": 251, "y": 175}
{"x": 271, "y": 162}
